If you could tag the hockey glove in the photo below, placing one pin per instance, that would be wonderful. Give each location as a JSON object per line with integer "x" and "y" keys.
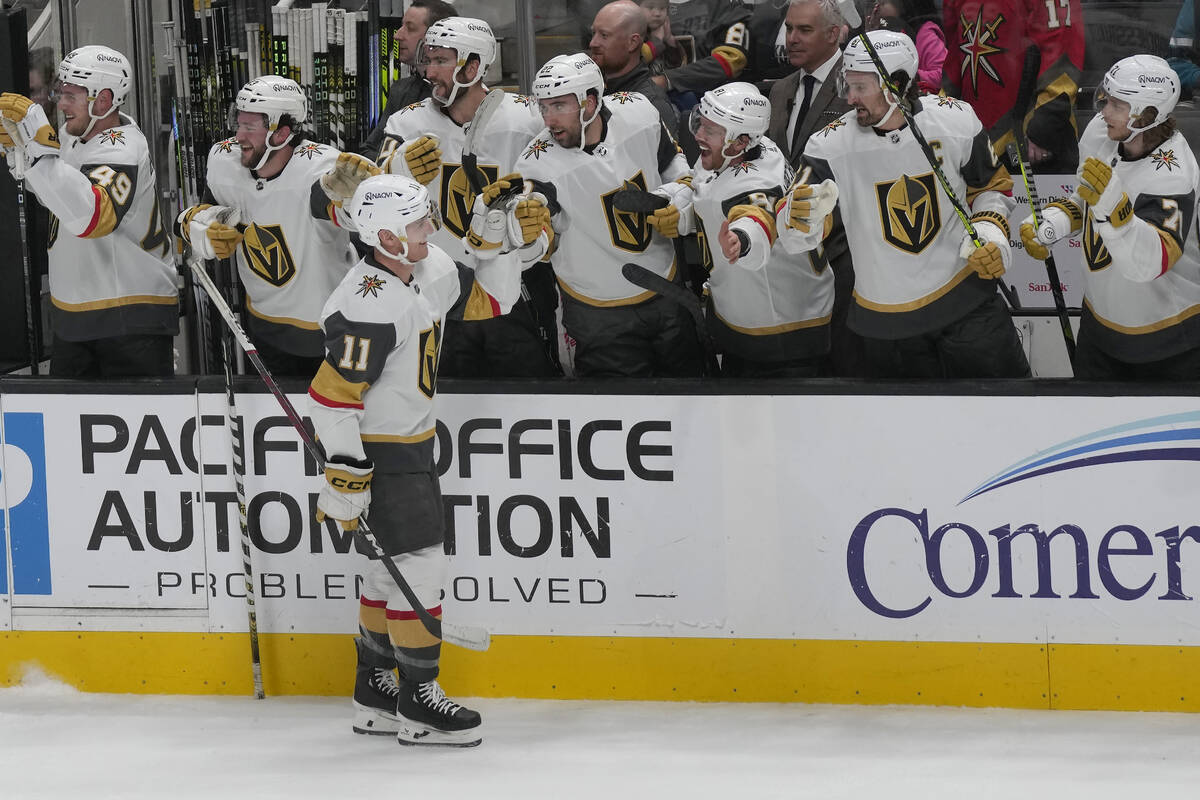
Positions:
{"x": 32, "y": 131}
{"x": 1059, "y": 220}
{"x": 809, "y": 205}
{"x": 675, "y": 219}
{"x": 346, "y": 495}
{"x": 211, "y": 230}
{"x": 530, "y": 216}
{"x": 487, "y": 237}
{"x": 423, "y": 159}
{"x": 1101, "y": 189}
{"x": 991, "y": 257}
{"x": 16, "y": 162}
{"x": 347, "y": 173}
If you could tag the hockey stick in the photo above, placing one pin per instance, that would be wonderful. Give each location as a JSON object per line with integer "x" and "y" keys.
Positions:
{"x": 483, "y": 115}
{"x": 469, "y": 637}
{"x": 902, "y": 103}
{"x": 637, "y": 201}
{"x": 645, "y": 279}
{"x": 31, "y": 324}
{"x": 234, "y": 425}
{"x": 1018, "y": 153}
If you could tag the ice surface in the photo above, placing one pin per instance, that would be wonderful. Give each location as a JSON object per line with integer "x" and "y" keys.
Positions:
{"x": 56, "y": 742}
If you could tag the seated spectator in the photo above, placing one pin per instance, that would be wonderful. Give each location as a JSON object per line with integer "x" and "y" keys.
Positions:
{"x": 919, "y": 20}
{"x": 661, "y": 51}
{"x": 1182, "y": 52}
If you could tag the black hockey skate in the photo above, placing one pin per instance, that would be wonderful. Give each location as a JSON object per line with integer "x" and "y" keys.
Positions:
{"x": 375, "y": 695}
{"x": 427, "y": 717}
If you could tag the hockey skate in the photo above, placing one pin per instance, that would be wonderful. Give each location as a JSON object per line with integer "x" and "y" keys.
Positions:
{"x": 375, "y": 695}
{"x": 427, "y": 717}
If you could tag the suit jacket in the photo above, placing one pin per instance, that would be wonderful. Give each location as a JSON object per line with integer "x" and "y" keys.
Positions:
{"x": 822, "y": 110}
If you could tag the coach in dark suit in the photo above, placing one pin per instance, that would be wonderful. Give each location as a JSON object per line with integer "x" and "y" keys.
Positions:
{"x": 801, "y": 104}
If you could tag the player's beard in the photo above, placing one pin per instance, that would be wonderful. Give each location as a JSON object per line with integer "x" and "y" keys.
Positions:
{"x": 252, "y": 156}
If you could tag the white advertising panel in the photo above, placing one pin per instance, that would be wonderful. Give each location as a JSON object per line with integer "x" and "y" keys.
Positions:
{"x": 970, "y": 518}
{"x": 1029, "y": 275}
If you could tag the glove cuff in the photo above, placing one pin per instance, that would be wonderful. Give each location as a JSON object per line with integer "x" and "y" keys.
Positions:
{"x": 1074, "y": 214}
{"x": 995, "y": 218}
{"x": 349, "y": 475}
{"x": 1121, "y": 213}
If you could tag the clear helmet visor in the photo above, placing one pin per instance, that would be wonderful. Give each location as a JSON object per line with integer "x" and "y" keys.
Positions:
{"x": 255, "y": 120}
{"x": 1101, "y": 99}
{"x": 701, "y": 125}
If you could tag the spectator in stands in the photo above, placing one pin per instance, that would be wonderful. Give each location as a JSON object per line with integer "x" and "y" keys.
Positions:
{"x": 618, "y": 35}
{"x": 920, "y": 21}
{"x": 1182, "y": 52}
{"x": 988, "y": 41}
{"x": 661, "y": 50}
{"x": 718, "y": 32}
{"x": 413, "y": 88}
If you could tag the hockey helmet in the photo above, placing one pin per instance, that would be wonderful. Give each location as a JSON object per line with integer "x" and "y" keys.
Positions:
{"x": 739, "y": 108}
{"x": 1144, "y": 82}
{"x": 97, "y": 68}
{"x": 274, "y": 96}
{"x": 896, "y": 52}
{"x": 573, "y": 74}
{"x": 392, "y": 203}
{"x": 467, "y": 37}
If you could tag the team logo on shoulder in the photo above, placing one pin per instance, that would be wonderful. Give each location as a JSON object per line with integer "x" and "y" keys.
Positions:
{"x": 1095, "y": 254}
{"x": 622, "y": 97}
{"x": 536, "y": 148}
{"x": 457, "y": 198}
{"x": 227, "y": 145}
{"x": 977, "y": 47}
{"x": 909, "y": 212}
{"x": 629, "y": 230}
{"x": 948, "y": 102}
{"x": 743, "y": 167}
{"x": 527, "y": 100}
{"x": 370, "y": 284}
{"x": 267, "y": 253}
{"x": 833, "y": 126}
{"x": 310, "y": 150}
{"x": 1164, "y": 158}
{"x": 429, "y": 340}
{"x": 113, "y": 137}
{"x": 411, "y": 107}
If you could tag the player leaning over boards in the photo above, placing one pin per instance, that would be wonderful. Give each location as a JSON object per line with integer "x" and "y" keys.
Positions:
{"x": 372, "y": 408}
{"x": 592, "y": 147}
{"x": 768, "y": 314}
{"x": 112, "y": 278}
{"x": 1136, "y": 207}
{"x": 454, "y": 54}
{"x": 925, "y": 297}
{"x": 274, "y": 203}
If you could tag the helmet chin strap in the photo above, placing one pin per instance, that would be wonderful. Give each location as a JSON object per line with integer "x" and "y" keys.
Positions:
{"x": 583, "y": 123}
{"x": 458, "y": 86}
{"x": 270, "y": 150}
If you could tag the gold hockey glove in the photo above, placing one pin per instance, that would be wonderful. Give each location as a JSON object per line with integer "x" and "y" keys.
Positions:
{"x": 423, "y": 158}
{"x": 1101, "y": 189}
{"x": 346, "y": 495}
{"x": 343, "y": 178}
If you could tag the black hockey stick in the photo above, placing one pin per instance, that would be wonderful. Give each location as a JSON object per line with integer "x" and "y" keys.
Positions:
{"x": 234, "y": 424}
{"x": 31, "y": 322}
{"x": 1010, "y": 294}
{"x": 1018, "y": 153}
{"x": 637, "y": 201}
{"x": 469, "y": 637}
{"x": 644, "y": 278}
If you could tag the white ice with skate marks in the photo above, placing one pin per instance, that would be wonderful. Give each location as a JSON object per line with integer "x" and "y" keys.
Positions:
{"x": 59, "y": 743}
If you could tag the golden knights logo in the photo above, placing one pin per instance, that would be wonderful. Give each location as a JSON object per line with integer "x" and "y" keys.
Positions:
{"x": 909, "y": 212}
{"x": 622, "y": 97}
{"x": 430, "y": 342}
{"x": 113, "y": 137}
{"x": 978, "y": 47}
{"x": 266, "y": 251}
{"x": 702, "y": 242}
{"x": 833, "y": 126}
{"x": 370, "y": 284}
{"x": 629, "y": 230}
{"x": 457, "y": 198}
{"x": 226, "y": 145}
{"x": 536, "y": 149}
{"x": 309, "y": 150}
{"x": 1095, "y": 254}
{"x": 1164, "y": 158}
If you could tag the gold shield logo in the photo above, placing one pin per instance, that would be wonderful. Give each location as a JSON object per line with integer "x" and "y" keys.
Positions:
{"x": 1094, "y": 252}
{"x": 429, "y": 342}
{"x": 457, "y": 197}
{"x": 702, "y": 242}
{"x": 629, "y": 230}
{"x": 909, "y": 212}
{"x": 267, "y": 254}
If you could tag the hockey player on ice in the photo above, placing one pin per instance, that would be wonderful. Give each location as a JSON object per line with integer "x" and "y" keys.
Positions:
{"x": 925, "y": 297}
{"x": 1135, "y": 210}
{"x": 769, "y": 312}
{"x": 112, "y": 278}
{"x": 274, "y": 204}
{"x": 372, "y": 405}
{"x": 454, "y": 54}
{"x": 590, "y": 148}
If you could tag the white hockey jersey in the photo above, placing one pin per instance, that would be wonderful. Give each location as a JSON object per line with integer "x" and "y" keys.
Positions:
{"x": 769, "y": 305}
{"x": 592, "y": 238}
{"x": 1147, "y": 320}
{"x": 903, "y": 233}
{"x": 373, "y": 395}
{"x": 295, "y": 250}
{"x": 111, "y": 270}
{"x": 515, "y": 123}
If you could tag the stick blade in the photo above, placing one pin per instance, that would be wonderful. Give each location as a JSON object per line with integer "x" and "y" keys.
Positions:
{"x": 466, "y": 636}
{"x": 483, "y": 115}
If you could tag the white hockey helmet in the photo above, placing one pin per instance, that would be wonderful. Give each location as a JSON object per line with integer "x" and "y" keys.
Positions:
{"x": 1142, "y": 81}
{"x": 275, "y": 97}
{"x": 467, "y": 37}
{"x": 97, "y": 68}
{"x": 739, "y": 108}
{"x": 575, "y": 75}
{"x": 389, "y": 202}
{"x": 896, "y": 52}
